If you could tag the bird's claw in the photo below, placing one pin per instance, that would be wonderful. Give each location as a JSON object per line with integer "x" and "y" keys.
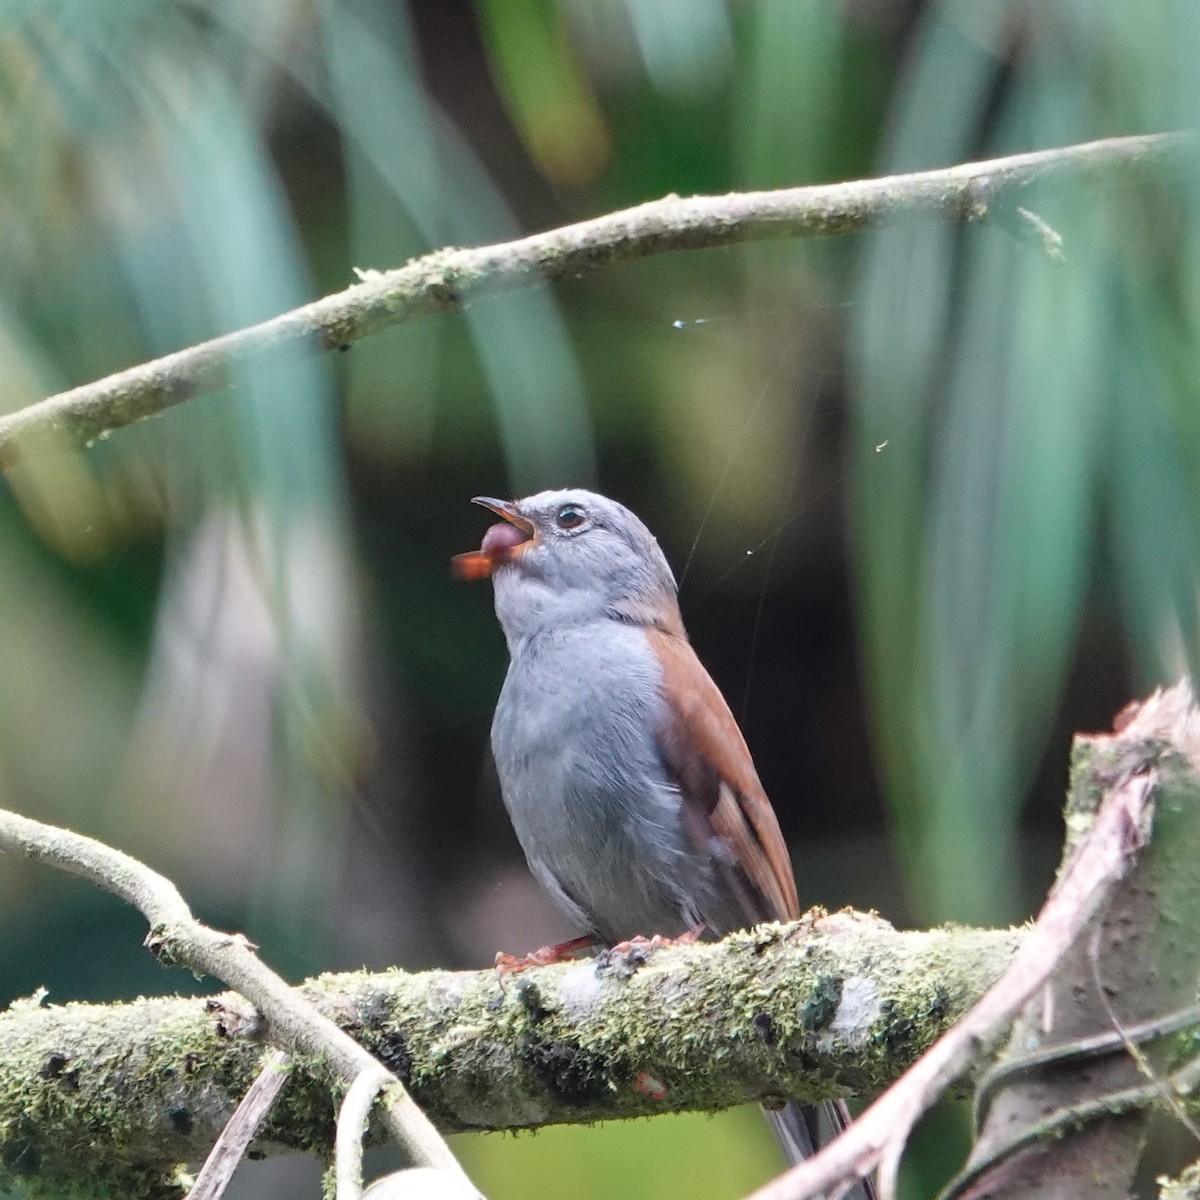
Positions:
{"x": 545, "y": 956}
{"x": 625, "y": 957}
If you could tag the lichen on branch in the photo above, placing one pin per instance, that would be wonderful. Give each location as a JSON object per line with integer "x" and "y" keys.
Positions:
{"x": 93, "y": 1096}
{"x": 451, "y": 278}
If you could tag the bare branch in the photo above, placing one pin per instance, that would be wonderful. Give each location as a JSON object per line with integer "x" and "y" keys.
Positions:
{"x": 1081, "y": 1119}
{"x": 451, "y": 278}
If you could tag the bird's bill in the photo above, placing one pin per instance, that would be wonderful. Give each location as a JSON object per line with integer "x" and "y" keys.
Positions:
{"x": 508, "y": 510}
{"x": 501, "y": 543}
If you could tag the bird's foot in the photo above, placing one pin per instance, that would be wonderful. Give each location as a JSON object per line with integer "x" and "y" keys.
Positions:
{"x": 510, "y": 964}
{"x": 625, "y": 957}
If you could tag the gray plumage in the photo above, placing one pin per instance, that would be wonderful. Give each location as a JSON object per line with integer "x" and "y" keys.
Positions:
{"x": 609, "y": 569}
{"x": 601, "y": 824}
{"x": 579, "y": 736}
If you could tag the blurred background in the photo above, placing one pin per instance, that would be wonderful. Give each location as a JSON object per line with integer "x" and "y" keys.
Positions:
{"x": 930, "y": 493}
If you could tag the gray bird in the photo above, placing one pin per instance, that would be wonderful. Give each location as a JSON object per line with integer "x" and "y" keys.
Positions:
{"x": 627, "y": 779}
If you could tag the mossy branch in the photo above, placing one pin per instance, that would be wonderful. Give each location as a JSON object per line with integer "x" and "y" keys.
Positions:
{"x": 176, "y": 938}
{"x": 105, "y": 1096}
{"x": 451, "y": 278}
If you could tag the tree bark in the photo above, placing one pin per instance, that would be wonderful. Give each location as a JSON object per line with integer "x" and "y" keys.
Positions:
{"x": 95, "y": 1099}
{"x": 1060, "y": 1090}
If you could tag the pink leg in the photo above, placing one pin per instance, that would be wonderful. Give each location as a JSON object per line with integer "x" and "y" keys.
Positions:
{"x": 658, "y": 942}
{"x": 510, "y": 964}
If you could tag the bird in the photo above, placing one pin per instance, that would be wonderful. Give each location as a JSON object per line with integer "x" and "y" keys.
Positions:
{"x": 628, "y": 782}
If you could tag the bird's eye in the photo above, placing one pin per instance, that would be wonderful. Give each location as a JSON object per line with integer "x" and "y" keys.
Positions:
{"x": 570, "y": 516}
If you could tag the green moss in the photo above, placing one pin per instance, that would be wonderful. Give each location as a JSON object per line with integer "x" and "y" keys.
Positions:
{"x": 822, "y": 1004}
{"x": 130, "y": 1090}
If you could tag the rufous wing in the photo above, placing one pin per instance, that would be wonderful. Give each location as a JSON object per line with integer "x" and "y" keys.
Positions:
{"x": 704, "y": 749}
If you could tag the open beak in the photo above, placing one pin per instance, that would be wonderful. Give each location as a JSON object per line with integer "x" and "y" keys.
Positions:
{"x": 506, "y": 509}
{"x": 501, "y": 543}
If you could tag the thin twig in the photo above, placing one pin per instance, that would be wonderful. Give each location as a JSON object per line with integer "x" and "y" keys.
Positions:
{"x": 451, "y": 278}
{"x": 1130, "y": 1043}
{"x": 1047, "y": 236}
{"x": 1053, "y": 1125}
{"x": 878, "y": 1137}
{"x": 177, "y": 938}
{"x": 1099, "y": 1045}
{"x": 352, "y": 1121}
{"x": 230, "y": 1148}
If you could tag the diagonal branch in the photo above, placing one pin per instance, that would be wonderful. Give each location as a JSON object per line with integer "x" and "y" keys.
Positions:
{"x": 451, "y": 278}
{"x": 176, "y": 938}
{"x": 877, "y": 1138}
{"x": 1136, "y": 968}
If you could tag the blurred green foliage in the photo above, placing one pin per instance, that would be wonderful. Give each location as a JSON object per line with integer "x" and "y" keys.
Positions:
{"x": 932, "y": 493}
{"x": 1037, "y": 446}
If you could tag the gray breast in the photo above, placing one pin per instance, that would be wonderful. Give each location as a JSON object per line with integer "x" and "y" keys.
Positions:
{"x": 589, "y": 798}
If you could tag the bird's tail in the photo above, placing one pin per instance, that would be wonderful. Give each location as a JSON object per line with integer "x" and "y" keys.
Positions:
{"x": 802, "y": 1129}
